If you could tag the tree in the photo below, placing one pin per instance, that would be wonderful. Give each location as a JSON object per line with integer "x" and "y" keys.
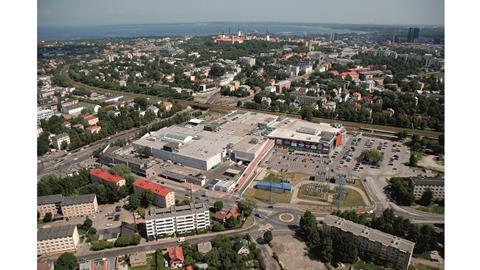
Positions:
{"x": 231, "y": 222}
{"x": 325, "y": 249}
{"x": 427, "y": 198}
{"x": 309, "y": 229}
{"x": 307, "y": 113}
{"x": 218, "y": 227}
{"x": 372, "y": 156}
{"x": 218, "y": 206}
{"x": 268, "y": 237}
{"x": 47, "y": 217}
{"x": 401, "y": 191}
{"x": 413, "y": 161}
{"x": 87, "y": 224}
{"x": 217, "y": 71}
{"x": 159, "y": 260}
{"x": 246, "y": 206}
{"x": 134, "y": 201}
{"x": 42, "y": 145}
{"x": 120, "y": 169}
{"x": 147, "y": 198}
{"x": 402, "y": 134}
{"x": 66, "y": 261}
{"x": 142, "y": 102}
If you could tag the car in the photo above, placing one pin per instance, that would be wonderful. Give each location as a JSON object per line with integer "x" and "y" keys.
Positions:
{"x": 181, "y": 239}
{"x": 270, "y": 206}
{"x": 257, "y": 214}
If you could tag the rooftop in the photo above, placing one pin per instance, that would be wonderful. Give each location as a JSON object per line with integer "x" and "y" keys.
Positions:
{"x": 105, "y": 176}
{"x": 49, "y": 199}
{"x": 372, "y": 234}
{"x": 80, "y": 199}
{"x": 55, "y": 232}
{"x": 155, "y": 188}
{"x": 156, "y": 213}
{"x": 428, "y": 181}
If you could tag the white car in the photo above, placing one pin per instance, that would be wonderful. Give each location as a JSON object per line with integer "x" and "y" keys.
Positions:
{"x": 181, "y": 239}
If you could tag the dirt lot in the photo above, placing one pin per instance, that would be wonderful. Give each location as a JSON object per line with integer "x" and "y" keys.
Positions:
{"x": 293, "y": 255}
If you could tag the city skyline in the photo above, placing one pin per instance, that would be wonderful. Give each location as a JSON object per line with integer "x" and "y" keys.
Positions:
{"x": 393, "y": 12}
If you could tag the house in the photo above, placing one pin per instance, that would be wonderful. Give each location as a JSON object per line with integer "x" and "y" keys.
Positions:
{"x": 167, "y": 105}
{"x": 241, "y": 247}
{"x": 224, "y": 215}
{"x": 90, "y": 119}
{"x": 59, "y": 140}
{"x": 175, "y": 257}
{"x": 204, "y": 247}
{"x": 357, "y": 96}
{"x": 152, "y": 109}
{"x": 93, "y": 129}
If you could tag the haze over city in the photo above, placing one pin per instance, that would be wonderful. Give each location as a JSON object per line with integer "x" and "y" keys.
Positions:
{"x": 107, "y": 12}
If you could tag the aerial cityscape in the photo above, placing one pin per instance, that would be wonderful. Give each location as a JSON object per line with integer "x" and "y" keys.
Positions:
{"x": 241, "y": 145}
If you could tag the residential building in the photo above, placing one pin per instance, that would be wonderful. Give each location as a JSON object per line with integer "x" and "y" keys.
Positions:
{"x": 224, "y": 215}
{"x": 436, "y": 185}
{"x": 57, "y": 240}
{"x": 247, "y": 60}
{"x": 93, "y": 129}
{"x": 175, "y": 257}
{"x": 394, "y": 252}
{"x": 59, "y": 140}
{"x": 164, "y": 197}
{"x": 281, "y": 85}
{"x": 101, "y": 175}
{"x": 49, "y": 204}
{"x": 166, "y": 221}
{"x": 45, "y": 114}
{"x": 79, "y": 206}
{"x": 90, "y": 119}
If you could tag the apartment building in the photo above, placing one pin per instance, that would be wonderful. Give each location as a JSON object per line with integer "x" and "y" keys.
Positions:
{"x": 164, "y": 197}
{"x": 394, "y": 252}
{"x": 57, "y": 240}
{"x": 420, "y": 185}
{"x": 78, "y": 206}
{"x": 90, "y": 119}
{"x": 101, "y": 175}
{"x": 49, "y": 204}
{"x": 166, "y": 221}
{"x": 60, "y": 139}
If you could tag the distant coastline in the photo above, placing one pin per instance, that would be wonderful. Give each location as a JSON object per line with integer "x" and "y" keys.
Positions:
{"x": 198, "y": 29}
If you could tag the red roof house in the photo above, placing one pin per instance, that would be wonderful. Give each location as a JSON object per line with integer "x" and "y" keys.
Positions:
{"x": 175, "y": 257}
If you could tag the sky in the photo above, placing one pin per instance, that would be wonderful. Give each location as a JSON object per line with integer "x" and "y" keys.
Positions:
{"x": 111, "y": 12}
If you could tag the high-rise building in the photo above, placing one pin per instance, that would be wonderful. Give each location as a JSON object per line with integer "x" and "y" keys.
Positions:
{"x": 334, "y": 36}
{"x": 413, "y": 34}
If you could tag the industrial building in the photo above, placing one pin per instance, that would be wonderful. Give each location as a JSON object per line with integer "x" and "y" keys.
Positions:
{"x": 57, "y": 240}
{"x": 167, "y": 221}
{"x": 394, "y": 252}
{"x": 436, "y": 185}
{"x": 115, "y": 155}
{"x": 274, "y": 186}
{"x": 237, "y": 136}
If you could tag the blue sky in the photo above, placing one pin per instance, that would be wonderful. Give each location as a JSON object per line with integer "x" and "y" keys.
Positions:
{"x": 108, "y": 12}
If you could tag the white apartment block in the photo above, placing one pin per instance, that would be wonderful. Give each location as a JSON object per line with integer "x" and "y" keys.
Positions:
{"x": 420, "y": 185}
{"x": 57, "y": 240}
{"x": 394, "y": 252}
{"x": 57, "y": 140}
{"x": 181, "y": 219}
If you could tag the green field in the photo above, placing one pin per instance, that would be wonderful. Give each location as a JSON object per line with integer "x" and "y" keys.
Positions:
{"x": 353, "y": 198}
{"x": 264, "y": 195}
{"x": 436, "y": 209}
{"x": 150, "y": 264}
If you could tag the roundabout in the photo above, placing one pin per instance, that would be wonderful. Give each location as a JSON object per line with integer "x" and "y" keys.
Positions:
{"x": 286, "y": 217}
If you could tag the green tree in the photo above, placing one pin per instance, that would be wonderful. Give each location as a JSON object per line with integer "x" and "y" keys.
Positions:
{"x": 307, "y": 113}
{"x": 66, "y": 261}
{"x": 427, "y": 198}
{"x": 231, "y": 222}
{"x": 87, "y": 224}
{"x": 134, "y": 201}
{"x": 159, "y": 260}
{"x": 120, "y": 169}
{"x": 413, "y": 161}
{"x": 246, "y": 206}
{"x": 218, "y": 206}
{"x": 217, "y": 71}
{"x": 218, "y": 227}
{"x": 372, "y": 156}
{"x": 42, "y": 145}
{"x": 402, "y": 134}
{"x": 309, "y": 229}
{"x": 268, "y": 237}
{"x": 325, "y": 249}
{"x": 147, "y": 198}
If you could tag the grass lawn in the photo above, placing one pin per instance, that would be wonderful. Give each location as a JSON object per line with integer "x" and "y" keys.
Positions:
{"x": 264, "y": 195}
{"x": 353, "y": 198}
{"x": 424, "y": 267}
{"x": 150, "y": 264}
{"x": 367, "y": 266}
{"x": 273, "y": 177}
{"x": 436, "y": 209}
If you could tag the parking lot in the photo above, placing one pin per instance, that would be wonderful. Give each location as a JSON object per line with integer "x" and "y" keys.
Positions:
{"x": 346, "y": 159}
{"x": 111, "y": 216}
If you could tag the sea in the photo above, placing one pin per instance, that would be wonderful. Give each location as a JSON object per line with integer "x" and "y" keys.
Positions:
{"x": 182, "y": 29}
